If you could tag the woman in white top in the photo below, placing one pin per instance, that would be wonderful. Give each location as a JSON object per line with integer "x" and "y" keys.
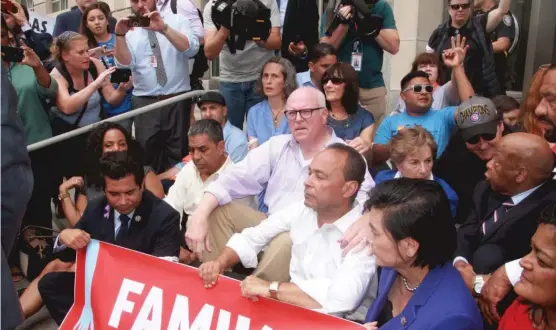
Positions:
{"x": 444, "y": 94}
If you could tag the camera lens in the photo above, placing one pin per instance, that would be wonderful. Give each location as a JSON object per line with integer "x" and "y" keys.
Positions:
{"x": 135, "y": 24}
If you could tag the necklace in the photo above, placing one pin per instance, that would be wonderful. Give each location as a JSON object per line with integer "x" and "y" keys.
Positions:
{"x": 407, "y": 285}
{"x": 275, "y": 115}
{"x": 344, "y": 120}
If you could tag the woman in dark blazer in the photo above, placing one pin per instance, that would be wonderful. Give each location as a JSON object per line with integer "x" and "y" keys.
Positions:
{"x": 414, "y": 239}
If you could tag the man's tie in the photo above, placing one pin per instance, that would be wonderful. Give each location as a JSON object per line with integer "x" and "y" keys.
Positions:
{"x": 161, "y": 77}
{"x": 124, "y": 228}
{"x": 497, "y": 215}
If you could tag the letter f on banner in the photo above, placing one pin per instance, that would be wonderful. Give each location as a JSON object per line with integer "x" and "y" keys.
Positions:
{"x": 122, "y": 304}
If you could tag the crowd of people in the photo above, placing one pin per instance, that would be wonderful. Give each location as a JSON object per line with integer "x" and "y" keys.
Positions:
{"x": 298, "y": 179}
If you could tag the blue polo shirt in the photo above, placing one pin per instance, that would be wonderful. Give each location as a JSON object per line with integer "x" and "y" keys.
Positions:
{"x": 235, "y": 142}
{"x": 440, "y": 123}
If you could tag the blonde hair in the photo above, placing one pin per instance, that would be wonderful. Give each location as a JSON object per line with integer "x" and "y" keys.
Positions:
{"x": 408, "y": 140}
{"x": 63, "y": 43}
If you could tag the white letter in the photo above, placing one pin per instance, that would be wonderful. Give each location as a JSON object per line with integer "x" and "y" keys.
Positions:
{"x": 179, "y": 320}
{"x": 203, "y": 320}
{"x": 122, "y": 304}
{"x": 242, "y": 323}
{"x": 153, "y": 303}
{"x": 223, "y": 320}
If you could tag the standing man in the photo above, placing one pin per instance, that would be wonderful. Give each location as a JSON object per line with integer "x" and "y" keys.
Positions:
{"x": 160, "y": 71}
{"x": 363, "y": 46}
{"x": 479, "y": 61}
{"x": 71, "y": 20}
{"x": 17, "y": 186}
{"x": 502, "y": 38}
{"x": 239, "y": 70}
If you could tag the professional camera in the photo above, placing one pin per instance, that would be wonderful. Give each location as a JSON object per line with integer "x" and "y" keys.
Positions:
{"x": 368, "y": 26}
{"x": 246, "y": 20}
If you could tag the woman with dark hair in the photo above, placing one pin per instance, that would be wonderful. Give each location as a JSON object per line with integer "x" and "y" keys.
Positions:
{"x": 535, "y": 307}
{"x": 448, "y": 93}
{"x": 107, "y": 137}
{"x": 266, "y": 119}
{"x": 509, "y": 108}
{"x": 349, "y": 120}
{"x": 95, "y": 26}
{"x": 414, "y": 241}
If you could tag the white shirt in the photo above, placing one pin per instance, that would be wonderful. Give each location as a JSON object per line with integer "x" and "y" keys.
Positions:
{"x": 186, "y": 193}
{"x": 175, "y": 62}
{"x": 187, "y": 9}
{"x": 399, "y": 175}
{"x": 516, "y": 199}
{"x": 278, "y": 165}
{"x": 317, "y": 267}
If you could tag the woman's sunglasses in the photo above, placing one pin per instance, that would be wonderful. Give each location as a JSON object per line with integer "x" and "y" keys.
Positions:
{"x": 419, "y": 88}
{"x": 461, "y": 7}
{"x": 486, "y": 137}
{"x": 334, "y": 80}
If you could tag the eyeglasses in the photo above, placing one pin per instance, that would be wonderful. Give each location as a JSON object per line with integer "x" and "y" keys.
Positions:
{"x": 461, "y": 7}
{"x": 304, "y": 113}
{"x": 419, "y": 88}
{"x": 334, "y": 80}
{"x": 476, "y": 138}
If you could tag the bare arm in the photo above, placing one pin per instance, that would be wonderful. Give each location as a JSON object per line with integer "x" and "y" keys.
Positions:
{"x": 368, "y": 133}
{"x": 335, "y": 39}
{"x": 274, "y": 40}
{"x": 291, "y": 293}
{"x": 461, "y": 84}
{"x": 43, "y": 78}
{"x": 389, "y": 40}
{"x": 381, "y": 153}
{"x": 123, "y": 55}
{"x": 214, "y": 42}
{"x": 496, "y": 16}
{"x": 113, "y": 96}
{"x": 70, "y": 104}
{"x": 153, "y": 184}
{"x": 501, "y": 45}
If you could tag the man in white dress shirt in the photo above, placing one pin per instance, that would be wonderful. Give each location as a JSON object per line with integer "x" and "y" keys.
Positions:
{"x": 321, "y": 278}
{"x": 280, "y": 165}
{"x": 158, "y": 58}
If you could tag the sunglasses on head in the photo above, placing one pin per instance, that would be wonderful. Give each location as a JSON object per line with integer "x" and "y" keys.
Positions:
{"x": 462, "y": 6}
{"x": 486, "y": 137}
{"x": 334, "y": 80}
{"x": 419, "y": 88}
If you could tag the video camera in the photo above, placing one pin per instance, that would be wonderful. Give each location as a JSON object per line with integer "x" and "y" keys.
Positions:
{"x": 246, "y": 19}
{"x": 368, "y": 26}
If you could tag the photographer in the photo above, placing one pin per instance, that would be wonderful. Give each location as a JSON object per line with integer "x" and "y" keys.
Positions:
{"x": 160, "y": 71}
{"x": 361, "y": 40}
{"x": 239, "y": 70}
{"x": 17, "y": 20}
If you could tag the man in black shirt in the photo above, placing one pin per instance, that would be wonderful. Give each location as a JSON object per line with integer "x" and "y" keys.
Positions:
{"x": 479, "y": 61}
{"x": 463, "y": 163}
{"x": 502, "y": 38}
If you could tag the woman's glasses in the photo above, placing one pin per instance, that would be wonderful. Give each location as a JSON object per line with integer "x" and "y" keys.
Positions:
{"x": 419, "y": 88}
{"x": 486, "y": 137}
{"x": 461, "y": 7}
{"x": 334, "y": 80}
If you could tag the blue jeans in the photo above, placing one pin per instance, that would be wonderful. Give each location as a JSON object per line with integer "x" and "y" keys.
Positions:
{"x": 239, "y": 98}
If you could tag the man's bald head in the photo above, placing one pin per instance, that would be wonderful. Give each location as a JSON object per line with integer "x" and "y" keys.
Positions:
{"x": 310, "y": 96}
{"x": 307, "y": 115}
{"x": 521, "y": 162}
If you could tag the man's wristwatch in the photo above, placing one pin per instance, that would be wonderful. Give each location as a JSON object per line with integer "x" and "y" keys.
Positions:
{"x": 478, "y": 285}
{"x": 273, "y": 289}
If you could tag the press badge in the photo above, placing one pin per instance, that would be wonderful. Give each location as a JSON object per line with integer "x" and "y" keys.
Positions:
{"x": 152, "y": 61}
{"x": 357, "y": 56}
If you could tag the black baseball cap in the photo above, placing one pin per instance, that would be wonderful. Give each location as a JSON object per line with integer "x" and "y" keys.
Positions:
{"x": 214, "y": 97}
{"x": 477, "y": 116}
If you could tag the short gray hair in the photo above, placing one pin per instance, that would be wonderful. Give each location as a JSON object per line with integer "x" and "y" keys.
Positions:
{"x": 210, "y": 127}
{"x": 316, "y": 94}
{"x": 288, "y": 70}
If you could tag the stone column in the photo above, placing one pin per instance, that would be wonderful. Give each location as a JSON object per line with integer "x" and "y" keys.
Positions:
{"x": 416, "y": 20}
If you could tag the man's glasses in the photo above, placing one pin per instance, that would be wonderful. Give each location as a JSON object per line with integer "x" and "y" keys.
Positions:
{"x": 461, "y": 7}
{"x": 419, "y": 88}
{"x": 304, "y": 113}
{"x": 486, "y": 137}
{"x": 334, "y": 80}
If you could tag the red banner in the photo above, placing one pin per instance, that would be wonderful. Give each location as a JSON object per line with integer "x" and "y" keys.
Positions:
{"x": 116, "y": 288}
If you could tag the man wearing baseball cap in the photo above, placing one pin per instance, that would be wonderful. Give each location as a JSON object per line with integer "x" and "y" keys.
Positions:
{"x": 463, "y": 164}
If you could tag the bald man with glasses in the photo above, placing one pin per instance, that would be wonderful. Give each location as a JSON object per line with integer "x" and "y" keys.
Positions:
{"x": 281, "y": 166}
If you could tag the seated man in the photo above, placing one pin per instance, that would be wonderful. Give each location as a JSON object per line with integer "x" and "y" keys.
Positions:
{"x": 505, "y": 206}
{"x": 206, "y": 148}
{"x": 213, "y": 106}
{"x": 417, "y": 95}
{"x": 128, "y": 216}
{"x": 480, "y": 128}
{"x": 321, "y": 278}
{"x": 280, "y": 165}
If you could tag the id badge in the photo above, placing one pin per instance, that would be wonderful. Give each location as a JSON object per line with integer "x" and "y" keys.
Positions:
{"x": 152, "y": 61}
{"x": 357, "y": 61}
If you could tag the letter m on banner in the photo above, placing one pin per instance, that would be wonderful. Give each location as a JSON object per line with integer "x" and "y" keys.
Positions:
{"x": 116, "y": 288}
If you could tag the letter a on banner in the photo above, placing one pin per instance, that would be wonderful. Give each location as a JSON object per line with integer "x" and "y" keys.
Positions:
{"x": 116, "y": 288}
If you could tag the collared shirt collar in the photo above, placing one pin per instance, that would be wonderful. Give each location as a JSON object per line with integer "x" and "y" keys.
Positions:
{"x": 348, "y": 219}
{"x": 217, "y": 173}
{"x": 226, "y": 128}
{"x": 399, "y": 175}
{"x": 333, "y": 139}
{"x": 117, "y": 215}
{"x": 516, "y": 199}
